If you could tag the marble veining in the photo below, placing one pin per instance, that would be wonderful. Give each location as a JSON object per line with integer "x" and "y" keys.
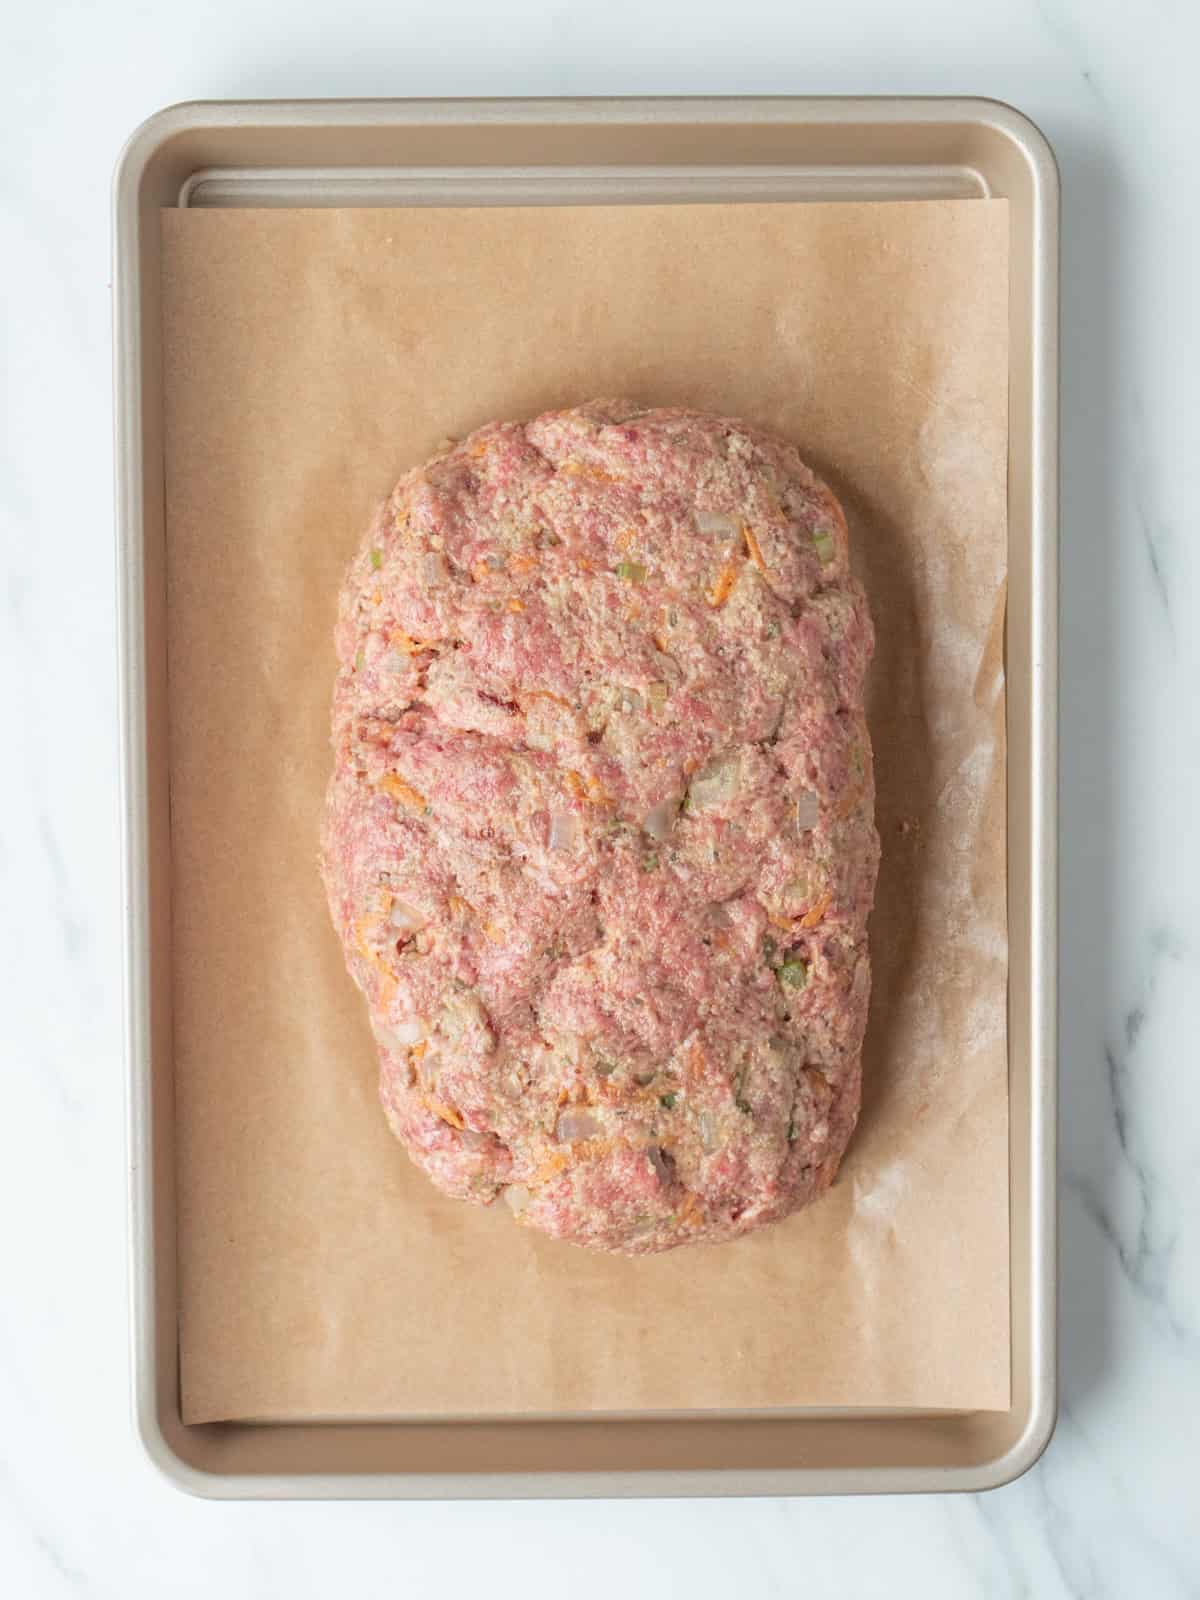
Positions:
{"x": 1111, "y": 1510}
{"x": 1157, "y": 534}
{"x": 1148, "y": 1244}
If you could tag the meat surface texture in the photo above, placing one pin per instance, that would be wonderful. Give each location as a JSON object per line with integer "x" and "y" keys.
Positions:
{"x": 599, "y": 839}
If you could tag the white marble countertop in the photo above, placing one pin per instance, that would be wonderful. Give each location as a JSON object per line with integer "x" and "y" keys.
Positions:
{"x": 1103, "y": 1513}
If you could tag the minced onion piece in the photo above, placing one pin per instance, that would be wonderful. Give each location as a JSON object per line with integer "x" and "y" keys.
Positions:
{"x": 808, "y": 811}
{"x": 659, "y": 1162}
{"x": 563, "y": 830}
{"x": 517, "y": 1198}
{"x": 463, "y": 1013}
{"x": 799, "y": 890}
{"x": 433, "y": 569}
{"x": 658, "y": 821}
{"x": 716, "y": 522}
{"x": 706, "y": 1126}
{"x": 409, "y": 1031}
{"x": 405, "y": 918}
{"x": 630, "y": 700}
{"x": 714, "y": 784}
{"x": 572, "y": 1125}
{"x": 657, "y": 694}
{"x": 780, "y": 1052}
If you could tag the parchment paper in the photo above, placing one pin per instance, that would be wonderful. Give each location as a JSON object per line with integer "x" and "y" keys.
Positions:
{"x": 311, "y": 357}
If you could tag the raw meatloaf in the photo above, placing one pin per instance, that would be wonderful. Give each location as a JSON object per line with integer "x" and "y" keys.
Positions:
{"x": 599, "y": 839}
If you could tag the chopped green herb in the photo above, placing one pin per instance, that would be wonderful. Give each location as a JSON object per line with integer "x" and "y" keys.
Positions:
{"x": 791, "y": 1133}
{"x": 823, "y": 540}
{"x": 632, "y": 571}
{"x": 769, "y": 948}
{"x": 376, "y": 559}
{"x": 649, "y": 863}
{"x": 667, "y": 1101}
{"x": 794, "y": 973}
{"x": 771, "y": 630}
{"x": 360, "y": 661}
{"x": 743, "y": 1106}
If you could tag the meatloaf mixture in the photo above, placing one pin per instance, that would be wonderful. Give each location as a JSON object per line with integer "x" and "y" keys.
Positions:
{"x": 599, "y": 839}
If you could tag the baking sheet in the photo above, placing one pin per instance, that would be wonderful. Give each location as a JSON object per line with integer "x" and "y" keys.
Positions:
{"x": 311, "y": 357}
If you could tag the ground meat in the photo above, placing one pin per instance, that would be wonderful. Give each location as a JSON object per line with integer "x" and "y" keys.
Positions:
{"x": 599, "y": 840}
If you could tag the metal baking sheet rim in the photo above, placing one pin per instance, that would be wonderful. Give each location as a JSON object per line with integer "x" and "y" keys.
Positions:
{"x": 388, "y": 152}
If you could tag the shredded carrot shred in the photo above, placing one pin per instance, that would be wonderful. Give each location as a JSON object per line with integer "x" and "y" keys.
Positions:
{"x": 848, "y": 802}
{"x": 410, "y": 646}
{"x": 516, "y": 605}
{"x": 404, "y": 792}
{"x": 754, "y": 548}
{"x": 576, "y": 784}
{"x": 578, "y": 1151}
{"x": 721, "y": 590}
{"x": 624, "y": 539}
{"x": 816, "y": 912}
{"x": 550, "y": 1168}
{"x": 444, "y": 1112}
{"x": 522, "y": 564}
{"x": 691, "y": 1211}
{"x": 377, "y": 597}
{"x": 387, "y": 983}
